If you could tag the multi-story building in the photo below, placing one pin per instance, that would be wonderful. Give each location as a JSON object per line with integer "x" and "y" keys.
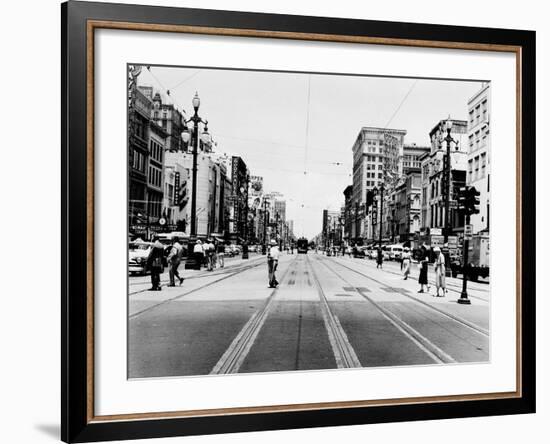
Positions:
{"x": 138, "y": 159}
{"x": 433, "y": 175}
{"x": 348, "y": 213}
{"x": 479, "y": 154}
{"x": 377, "y": 155}
{"x": 155, "y": 172}
{"x": 211, "y": 214}
{"x": 239, "y": 179}
{"x": 411, "y": 156}
{"x": 407, "y": 206}
{"x": 331, "y": 234}
{"x": 168, "y": 117}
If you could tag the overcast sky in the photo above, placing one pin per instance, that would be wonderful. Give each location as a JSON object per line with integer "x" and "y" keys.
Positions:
{"x": 304, "y": 151}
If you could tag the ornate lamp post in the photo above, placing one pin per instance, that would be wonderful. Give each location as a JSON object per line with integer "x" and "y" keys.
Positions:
{"x": 193, "y": 133}
{"x": 447, "y": 171}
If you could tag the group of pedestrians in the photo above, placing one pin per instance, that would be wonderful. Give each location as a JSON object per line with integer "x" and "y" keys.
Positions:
{"x": 210, "y": 252}
{"x": 439, "y": 264}
{"x": 406, "y": 261}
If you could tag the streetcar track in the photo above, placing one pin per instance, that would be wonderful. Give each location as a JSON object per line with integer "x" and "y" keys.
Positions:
{"x": 343, "y": 351}
{"x": 181, "y": 295}
{"x": 427, "y": 346}
{"x": 234, "y": 356}
{"x": 450, "y": 286}
{"x": 455, "y": 318}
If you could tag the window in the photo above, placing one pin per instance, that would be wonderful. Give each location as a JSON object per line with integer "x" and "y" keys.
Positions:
{"x": 483, "y": 162}
{"x": 476, "y": 170}
{"x": 470, "y": 170}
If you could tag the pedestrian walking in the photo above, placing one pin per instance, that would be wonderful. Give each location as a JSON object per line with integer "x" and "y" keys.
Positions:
{"x": 209, "y": 251}
{"x": 174, "y": 260}
{"x": 220, "y": 255}
{"x": 379, "y": 258}
{"x": 423, "y": 276}
{"x": 406, "y": 263}
{"x": 154, "y": 263}
{"x": 198, "y": 253}
{"x": 272, "y": 263}
{"x": 439, "y": 272}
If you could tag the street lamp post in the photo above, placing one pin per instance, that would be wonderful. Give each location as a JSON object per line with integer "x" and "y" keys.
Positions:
{"x": 264, "y": 246}
{"x": 205, "y": 137}
{"x": 245, "y": 222}
{"x": 448, "y": 139}
{"x": 381, "y": 212}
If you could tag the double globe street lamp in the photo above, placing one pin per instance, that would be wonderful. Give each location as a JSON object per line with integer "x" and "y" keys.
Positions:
{"x": 192, "y": 133}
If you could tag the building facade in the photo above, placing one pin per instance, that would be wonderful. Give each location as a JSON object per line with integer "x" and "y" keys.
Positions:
{"x": 377, "y": 155}
{"x": 433, "y": 178}
{"x": 479, "y": 155}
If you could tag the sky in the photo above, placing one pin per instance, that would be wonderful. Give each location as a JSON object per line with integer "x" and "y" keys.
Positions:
{"x": 297, "y": 130}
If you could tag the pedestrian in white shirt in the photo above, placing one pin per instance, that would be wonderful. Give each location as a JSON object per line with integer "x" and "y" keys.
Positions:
{"x": 272, "y": 262}
{"x": 198, "y": 252}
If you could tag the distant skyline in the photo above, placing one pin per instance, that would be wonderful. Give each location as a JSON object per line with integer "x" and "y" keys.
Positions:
{"x": 297, "y": 130}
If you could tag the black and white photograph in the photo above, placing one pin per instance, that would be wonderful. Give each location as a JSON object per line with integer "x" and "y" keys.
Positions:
{"x": 305, "y": 221}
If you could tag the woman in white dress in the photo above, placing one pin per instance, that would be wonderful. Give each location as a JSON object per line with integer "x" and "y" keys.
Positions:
{"x": 406, "y": 262}
{"x": 439, "y": 272}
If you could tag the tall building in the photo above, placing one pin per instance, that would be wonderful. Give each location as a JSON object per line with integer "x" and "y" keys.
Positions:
{"x": 433, "y": 175}
{"x": 331, "y": 234}
{"x": 155, "y": 172}
{"x": 239, "y": 180}
{"x": 479, "y": 154}
{"x": 348, "y": 212}
{"x": 377, "y": 158}
{"x": 168, "y": 117}
{"x": 138, "y": 159}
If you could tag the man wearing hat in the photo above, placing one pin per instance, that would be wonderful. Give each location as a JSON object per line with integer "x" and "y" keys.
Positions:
{"x": 272, "y": 262}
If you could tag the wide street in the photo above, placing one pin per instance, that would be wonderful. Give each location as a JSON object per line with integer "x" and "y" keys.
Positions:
{"x": 327, "y": 312}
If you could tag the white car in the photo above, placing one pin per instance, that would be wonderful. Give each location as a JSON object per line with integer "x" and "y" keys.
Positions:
{"x": 138, "y": 252}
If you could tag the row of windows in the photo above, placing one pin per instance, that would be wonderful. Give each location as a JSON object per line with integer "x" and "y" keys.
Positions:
{"x": 478, "y": 113}
{"x": 373, "y": 175}
{"x": 138, "y": 161}
{"x": 156, "y": 150}
{"x": 477, "y": 167}
{"x": 155, "y": 176}
{"x": 371, "y": 166}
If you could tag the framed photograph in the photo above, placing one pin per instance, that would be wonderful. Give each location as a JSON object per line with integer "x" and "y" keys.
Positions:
{"x": 275, "y": 221}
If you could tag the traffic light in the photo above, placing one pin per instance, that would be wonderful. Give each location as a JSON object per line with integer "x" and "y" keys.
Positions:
{"x": 468, "y": 200}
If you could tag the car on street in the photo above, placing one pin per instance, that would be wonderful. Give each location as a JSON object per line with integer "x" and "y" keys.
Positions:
{"x": 395, "y": 252}
{"x": 138, "y": 252}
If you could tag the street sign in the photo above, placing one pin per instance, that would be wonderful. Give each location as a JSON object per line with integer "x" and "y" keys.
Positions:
{"x": 453, "y": 204}
{"x": 162, "y": 221}
{"x": 436, "y": 231}
{"x": 437, "y": 240}
{"x": 468, "y": 229}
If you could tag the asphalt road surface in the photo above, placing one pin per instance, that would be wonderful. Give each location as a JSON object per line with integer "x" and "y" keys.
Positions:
{"x": 327, "y": 312}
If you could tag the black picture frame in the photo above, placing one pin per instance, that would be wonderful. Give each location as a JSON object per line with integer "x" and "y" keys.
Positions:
{"x": 77, "y": 424}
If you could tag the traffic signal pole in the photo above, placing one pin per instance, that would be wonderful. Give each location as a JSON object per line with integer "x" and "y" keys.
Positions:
{"x": 466, "y": 244}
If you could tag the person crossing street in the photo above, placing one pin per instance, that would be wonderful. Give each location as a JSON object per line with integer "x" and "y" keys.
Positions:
{"x": 272, "y": 262}
{"x": 154, "y": 263}
{"x": 174, "y": 260}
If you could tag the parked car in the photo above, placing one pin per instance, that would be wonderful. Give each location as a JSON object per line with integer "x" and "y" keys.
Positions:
{"x": 138, "y": 252}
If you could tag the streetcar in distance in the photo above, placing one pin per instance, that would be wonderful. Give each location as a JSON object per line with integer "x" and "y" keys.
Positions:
{"x": 302, "y": 245}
